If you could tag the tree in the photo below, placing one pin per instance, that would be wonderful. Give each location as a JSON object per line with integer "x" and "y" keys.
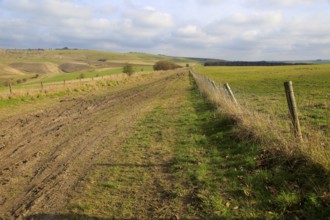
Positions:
{"x": 128, "y": 68}
{"x": 165, "y": 65}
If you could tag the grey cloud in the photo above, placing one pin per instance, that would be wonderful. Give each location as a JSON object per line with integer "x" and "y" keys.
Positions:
{"x": 47, "y": 8}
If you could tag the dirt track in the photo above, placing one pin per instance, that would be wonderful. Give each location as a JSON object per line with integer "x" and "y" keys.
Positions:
{"x": 44, "y": 154}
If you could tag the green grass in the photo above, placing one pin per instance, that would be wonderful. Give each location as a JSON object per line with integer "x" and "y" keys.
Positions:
{"x": 22, "y": 100}
{"x": 212, "y": 174}
{"x": 73, "y": 76}
{"x": 261, "y": 89}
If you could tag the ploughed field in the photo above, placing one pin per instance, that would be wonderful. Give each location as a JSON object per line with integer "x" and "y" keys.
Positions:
{"x": 46, "y": 153}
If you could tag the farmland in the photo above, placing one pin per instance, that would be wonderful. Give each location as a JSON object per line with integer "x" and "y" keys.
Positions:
{"x": 150, "y": 145}
{"x": 261, "y": 96}
{"x": 261, "y": 89}
{"x": 25, "y": 67}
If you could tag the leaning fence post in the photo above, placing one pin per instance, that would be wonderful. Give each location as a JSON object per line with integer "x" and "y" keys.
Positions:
{"x": 293, "y": 109}
{"x": 213, "y": 84}
{"x": 230, "y": 93}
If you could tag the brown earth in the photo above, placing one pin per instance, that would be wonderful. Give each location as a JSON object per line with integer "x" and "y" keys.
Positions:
{"x": 44, "y": 154}
{"x": 38, "y": 68}
{"x": 75, "y": 67}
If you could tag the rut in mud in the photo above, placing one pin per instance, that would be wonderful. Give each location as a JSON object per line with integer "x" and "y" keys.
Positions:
{"x": 46, "y": 153}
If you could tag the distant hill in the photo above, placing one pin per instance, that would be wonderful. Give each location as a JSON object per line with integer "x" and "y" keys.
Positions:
{"x": 19, "y": 64}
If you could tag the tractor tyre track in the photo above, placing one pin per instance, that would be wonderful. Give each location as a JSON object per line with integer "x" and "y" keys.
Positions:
{"x": 44, "y": 154}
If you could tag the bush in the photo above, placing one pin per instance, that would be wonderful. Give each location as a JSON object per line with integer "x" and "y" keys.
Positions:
{"x": 165, "y": 65}
{"x": 128, "y": 68}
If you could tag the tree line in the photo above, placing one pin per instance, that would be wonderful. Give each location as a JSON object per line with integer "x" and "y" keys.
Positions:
{"x": 250, "y": 63}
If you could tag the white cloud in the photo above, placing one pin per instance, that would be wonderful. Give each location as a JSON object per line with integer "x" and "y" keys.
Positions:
{"x": 150, "y": 18}
{"x": 224, "y": 29}
{"x": 189, "y": 30}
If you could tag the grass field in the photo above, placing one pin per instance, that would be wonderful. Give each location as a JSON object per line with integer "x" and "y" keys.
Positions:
{"x": 261, "y": 89}
{"x": 286, "y": 176}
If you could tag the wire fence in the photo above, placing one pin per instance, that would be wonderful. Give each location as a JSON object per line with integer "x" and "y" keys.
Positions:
{"x": 312, "y": 100}
{"x": 49, "y": 87}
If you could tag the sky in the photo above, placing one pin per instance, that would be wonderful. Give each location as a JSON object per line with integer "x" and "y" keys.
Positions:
{"x": 223, "y": 29}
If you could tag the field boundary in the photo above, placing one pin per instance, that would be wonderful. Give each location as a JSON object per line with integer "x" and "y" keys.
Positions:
{"x": 53, "y": 87}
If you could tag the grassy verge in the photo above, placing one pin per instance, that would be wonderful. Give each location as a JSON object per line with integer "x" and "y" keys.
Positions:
{"x": 183, "y": 160}
{"x": 274, "y": 183}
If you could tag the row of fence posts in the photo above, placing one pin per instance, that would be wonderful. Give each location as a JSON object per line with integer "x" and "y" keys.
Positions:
{"x": 41, "y": 86}
{"x": 293, "y": 110}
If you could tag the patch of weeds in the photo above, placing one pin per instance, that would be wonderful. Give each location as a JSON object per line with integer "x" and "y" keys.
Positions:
{"x": 79, "y": 207}
{"x": 109, "y": 184}
{"x": 285, "y": 200}
{"x": 9, "y": 102}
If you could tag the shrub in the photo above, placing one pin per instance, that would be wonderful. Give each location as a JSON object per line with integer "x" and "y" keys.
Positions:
{"x": 165, "y": 65}
{"x": 128, "y": 68}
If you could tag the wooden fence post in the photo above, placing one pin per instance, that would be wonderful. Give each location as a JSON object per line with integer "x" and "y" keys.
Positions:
{"x": 64, "y": 83}
{"x": 10, "y": 89}
{"x": 213, "y": 84}
{"x": 293, "y": 109}
{"x": 230, "y": 93}
{"x": 42, "y": 86}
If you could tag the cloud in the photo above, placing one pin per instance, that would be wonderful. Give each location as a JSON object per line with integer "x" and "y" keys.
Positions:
{"x": 191, "y": 36}
{"x": 237, "y": 29}
{"x": 47, "y": 8}
{"x": 282, "y": 3}
{"x": 209, "y": 2}
{"x": 245, "y": 26}
{"x": 150, "y": 18}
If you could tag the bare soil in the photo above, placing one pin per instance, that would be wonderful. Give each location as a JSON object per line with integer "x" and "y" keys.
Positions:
{"x": 75, "y": 67}
{"x": 44, "y": 154}
{"x": 39, "y": 68}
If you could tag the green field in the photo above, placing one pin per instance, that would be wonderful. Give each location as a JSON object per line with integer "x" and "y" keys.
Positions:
{"x": 261, "y": 89}
{"x": 27, "y": 69}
